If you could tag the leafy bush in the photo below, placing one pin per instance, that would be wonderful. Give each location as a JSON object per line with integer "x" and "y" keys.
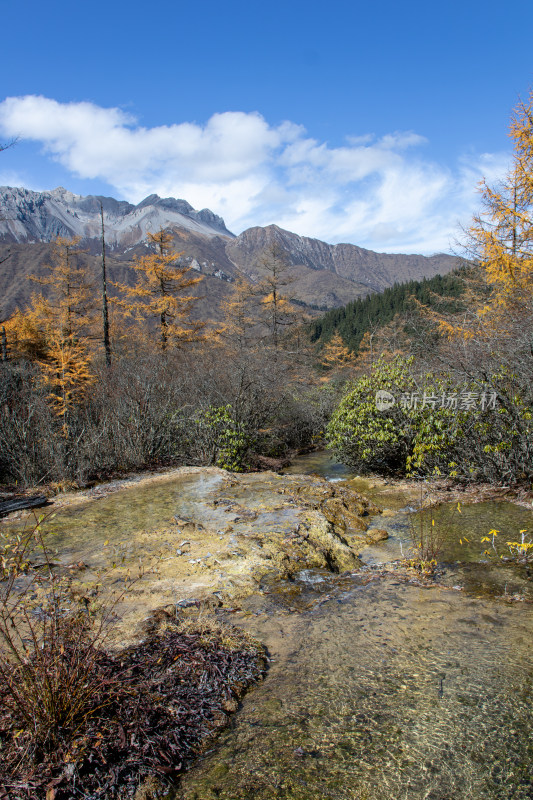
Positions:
{"x": 485, "y": 442}
{"x": 400, "y": 439}
{"x": 221, "y": 439}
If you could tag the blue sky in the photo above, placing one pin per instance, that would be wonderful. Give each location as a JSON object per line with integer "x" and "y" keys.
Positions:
{"x": 346, "y": 121}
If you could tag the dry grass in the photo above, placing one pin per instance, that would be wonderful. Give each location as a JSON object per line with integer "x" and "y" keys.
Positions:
{"x": 80, "y": 721}
{"x": 50, "y": 646}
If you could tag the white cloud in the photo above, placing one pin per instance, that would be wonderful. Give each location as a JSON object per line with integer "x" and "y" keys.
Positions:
{"x": 378, "y": 193}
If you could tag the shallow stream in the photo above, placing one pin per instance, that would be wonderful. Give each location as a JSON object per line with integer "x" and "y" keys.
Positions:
{"x": 384, "y": 691}
{"x": 379, "y": 688}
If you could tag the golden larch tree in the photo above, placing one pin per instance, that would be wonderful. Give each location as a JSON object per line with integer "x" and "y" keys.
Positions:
{"x": 57, "y": 329}
{"x": 503, "y": 233}
{"x": 24, "y": 336}
{"x": 501, "y": 244}
{"x": 336, "y": 357}
{"x": 160, "y": 292}
{"x": 67, "y": 373}
{"x": 70, "y": 303}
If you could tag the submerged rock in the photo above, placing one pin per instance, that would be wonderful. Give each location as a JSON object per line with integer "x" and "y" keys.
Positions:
{"x": 376, "y": 535}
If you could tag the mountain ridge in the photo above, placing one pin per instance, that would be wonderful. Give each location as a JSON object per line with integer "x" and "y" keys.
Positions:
{"x": 31, "y": 216}
{"x": 324, "y": 275}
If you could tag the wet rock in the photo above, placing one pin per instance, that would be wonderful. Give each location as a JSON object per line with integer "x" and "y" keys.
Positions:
{"x": 279, "y": 526}
{"x": 336, "y": 511}
{"x": 336, "y": 553}
{"x": 188, "y": 526}
{"x": 375, "y": 535}
{"x": 342, "y": 507}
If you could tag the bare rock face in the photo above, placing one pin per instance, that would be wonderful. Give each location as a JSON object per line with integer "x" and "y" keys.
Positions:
{"x": 347, "y": 262}
{"x": 27, "y": 216}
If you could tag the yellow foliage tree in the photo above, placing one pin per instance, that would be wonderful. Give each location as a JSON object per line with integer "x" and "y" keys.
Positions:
{"x": 336, "y": 357}
{"x": 70, "y": 303}
{"x": 56, "y": 329}
{"x": 68, "y": 306}
{"x": 160, "y": 292}
{"x": 501, "y": 243}
{"x": 67, "y": 372}
{"x": 504, "y": 232}
{"x": 24, "y": 336}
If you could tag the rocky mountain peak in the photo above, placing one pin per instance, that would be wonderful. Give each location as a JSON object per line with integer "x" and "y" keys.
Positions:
{"x": 27, "y": 216}
{"x": 64, "y": 195}
{"x": 322, "y": 275}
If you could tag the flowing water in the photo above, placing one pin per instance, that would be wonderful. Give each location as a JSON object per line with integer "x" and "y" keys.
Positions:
{"x": 378, "y": 687}
{"x": 385, "y": 690}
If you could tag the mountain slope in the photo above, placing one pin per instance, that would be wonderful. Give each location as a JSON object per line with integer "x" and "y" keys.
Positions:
{"x": 324, "y": 276}
{"x": 376, "y": 271}
{"x": 27, "y": 216}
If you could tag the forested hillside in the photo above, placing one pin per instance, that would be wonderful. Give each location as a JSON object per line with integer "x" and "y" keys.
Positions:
{"x": 378, "y": 310}
{"x": 456, "y": 396}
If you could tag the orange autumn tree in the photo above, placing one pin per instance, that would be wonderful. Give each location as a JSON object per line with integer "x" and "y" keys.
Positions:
{"x": 501, "y": 244}
{"x": 488, "y": 345}
{"x": 159, "y": 292}
{"x": 69, "y": 304}
{"x": 67, "y": 373}
{"x": 57, "y": 330}
{"x": 336, "y": 357}
{"x": 503, "y": 233}
{"x": 24, "y": 336}
{"x": 66, "y": 304}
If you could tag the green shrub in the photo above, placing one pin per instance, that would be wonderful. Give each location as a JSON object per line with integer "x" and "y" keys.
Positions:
{"x": 224, "y": 440}
{"x": 402, "y": 439}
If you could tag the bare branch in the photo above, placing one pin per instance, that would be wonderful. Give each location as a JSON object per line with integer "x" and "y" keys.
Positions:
{"x": 7, "y": 145}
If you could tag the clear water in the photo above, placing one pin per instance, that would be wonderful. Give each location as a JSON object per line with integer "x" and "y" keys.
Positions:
{"x": 378, "y": 688}
{"x": 80, "y": 532}
{"x": 384, "y": 691}
{"x": 455, "y": 536}
{"x": 464, "y": 526}
{"x": 319, "y": 462}
{"x": 142, "y": 516}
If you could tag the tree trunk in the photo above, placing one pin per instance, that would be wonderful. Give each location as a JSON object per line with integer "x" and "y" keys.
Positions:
{"x": 105, "y": 315}
{"x": 4, "y": 344}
